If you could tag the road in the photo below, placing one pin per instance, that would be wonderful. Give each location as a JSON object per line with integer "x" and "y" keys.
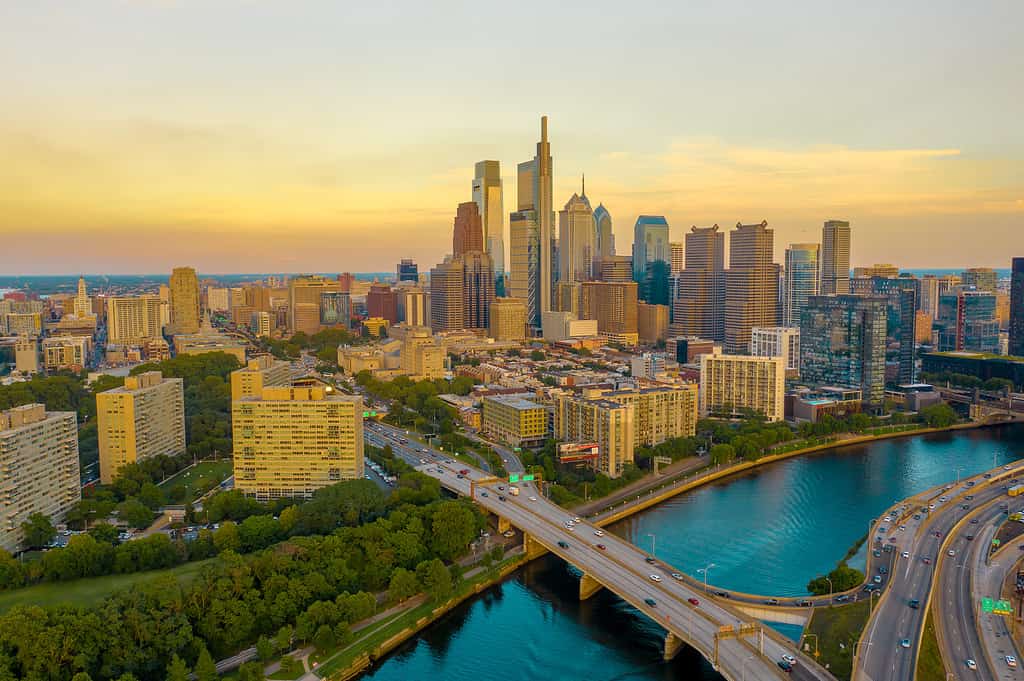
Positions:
{"x": 620, "y": 566}
{"x": 881, "y": 655}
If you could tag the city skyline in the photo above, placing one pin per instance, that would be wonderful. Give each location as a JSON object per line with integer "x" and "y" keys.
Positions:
{"x": 192, "y": 150}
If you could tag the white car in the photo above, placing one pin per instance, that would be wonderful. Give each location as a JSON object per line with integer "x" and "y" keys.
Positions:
{"x": 905, "y": 554}
{"x": 655, "y": 578}
{"x": 598, "y": 533}
{"x": 971, "y": 664}
{"x": 533, "y": 498}
{"x": 1011, "y": 661}
{"x": 789, "y": 659}
{"x": 951, "y": 553}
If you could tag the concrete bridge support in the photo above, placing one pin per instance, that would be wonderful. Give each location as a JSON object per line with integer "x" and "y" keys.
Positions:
{"x": 673, "y": 644}
{"x": 503, "y": 525}
{"x": 532, "y": 548}
{"x": 588, "y": 586}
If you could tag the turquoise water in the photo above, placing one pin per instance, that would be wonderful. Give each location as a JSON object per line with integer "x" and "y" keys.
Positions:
{"x": 767, "y": 532}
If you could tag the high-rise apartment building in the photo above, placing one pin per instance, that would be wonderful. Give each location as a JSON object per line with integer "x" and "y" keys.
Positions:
{"x": 468, "y": 233}
{"x": 83, "y": 306}
{"x": 290, "y": 441}
{"x": 382, "y": 301}
{"x": 261, "y": 324}
{"x": 304, "y": 294}
{"x": 141, "y": 419}
{"x": 576, "y": 232}
{"x": 660, "y": 411}
{"x": 751, "y": 285}
{"x": 842, "y": 343}
{"x": 604, "y": 240}
{"x": 651, "y": 322}
{"x": 531, "y": 231}
{"x": 700, "y": 303}
{"x": 260, "y": 372}
{"x": 967, "y": 321}
{"x": 835, "y": 257}
{"x": 650, "y": 243}
{"x": 218, "y": 299}
{"x": 733, "y": 384}
{"x": 981, "y": 278}
{"x": 615, "y": 268}
{"x": 607, "y": 424}
{"x": 446, "y": 295}
{"x": 801, "y": 281}
{"x": 487, "y": 194}
{"x": 184, "y": 301}
{"x": 1016, "y": 344}
{"x": 133, "y": 320}
{"x": 614, "y": 306}
{"x": 508, "y": 319}
{"x": 408, "y": 271}
{"x": 38, "y": 468}
{"x": 777, "y": 341}
{"x": 411, "y": 306}
{"x": 677, "y": 253}
{"x": 514, "y": 420}
{"x": 928, "y": 301}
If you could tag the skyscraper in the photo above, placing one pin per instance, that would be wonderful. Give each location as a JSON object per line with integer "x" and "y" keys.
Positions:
{"x": 835, "y": 257}
{"x": 650, "y": 243}
{"x": 446, "y": 295}
{"x": 604, "y": 240}
{"x": 83, "y": 307}
{"x": 1016, "y": 347}
{"x": 508, "y": 319}
{"x": 751, "y": 285}
{"x": 677, "y": 254}
{"x": 700, "y": 304}
{"x": 477, "y": 290}
{"x": 967, "y": 321}
{"x": 614, "y": 306}
{"x": 382, "y": 302}
{"x": 408, "y": 271}
{"x": 576, "y": 234}
{"x": 184, "y": 286}
{"x": 133, "y": 320}
{"x": 928, "y": 301}
{"x": 981, "y": 278}
{"x": 488, "y": 197}
{"x": 801, "y": 281}
{"x": 842, "y": 342}
{"x": 304, "y": 302}
{"x": 468, "y": 234}
{"x": 531, "y": 231}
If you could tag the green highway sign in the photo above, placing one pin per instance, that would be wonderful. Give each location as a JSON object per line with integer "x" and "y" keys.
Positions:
{"x": 1002, "y": 608}
{"x": 369, "y": 414}
{"x": 528, "y": 478}
{"x": 513, "y": 478}
{"x": 987, "y": 604}
{"x": 995, "y": 542}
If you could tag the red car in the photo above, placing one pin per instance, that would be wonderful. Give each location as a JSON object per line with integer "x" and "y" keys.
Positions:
{"x": 601, "y": 546}
{"x": 693, "y": 601}
{"x": 926, "y": 561}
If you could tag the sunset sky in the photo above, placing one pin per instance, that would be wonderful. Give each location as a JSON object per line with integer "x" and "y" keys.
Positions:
{"x": 264, "y": 135}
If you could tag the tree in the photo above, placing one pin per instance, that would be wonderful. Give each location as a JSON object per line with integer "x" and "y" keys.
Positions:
{"x": 537, "y": 356}
{"x": 104, "y": 532}
{"x": 12, "y": 575}
{"x": 453, "y": 528}
{"x": 150, "y": 496}
{"x": 227, "y": 538}
{"x": 939, "y": 415}
{"x": 250, "y": 671}
{"x": 283, "y": 640}
{"x": 177, "y": 670}
{"x": 324, "y": 638}
{"x": 722, "y": 454}
{"x": 38, "y": 530}
{"x": 436, "y": 579}
{"x": 264, "y": 648}
{"x": 206, "y": 668}
{"x": 403, "y": 585}
{"x": 257, "y": 532}
{"x": 135, "y": 514}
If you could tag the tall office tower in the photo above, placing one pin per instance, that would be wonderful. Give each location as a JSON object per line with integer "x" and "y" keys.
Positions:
{"x": 218, "y": 299}
{"x": 468, "y": 234}
{"x": 446, "y": 281}
{"x": 677, "y": 253}
{"x": 700, "y": 305}
{"x": 732, "y": 384}
{"x": 751, "y": 285}
{"x": 290, "y": 441}
{"x": 382, "y": 301}
{"x": 408, "y": 271}
{"x": 83, "y": 306}
{"x": 508, "y": 319}
{"x": 842, "y": 343}
{"x": 614, "y": 306}
{"x": 304, "y": 302}
{"x": 165, "y": 306}
{"x": 261, "y": 324}
{"x": 566, "y": 297}
{"x": 616, "y": 268}
{"x": 143, "y": 418}
{"x": 345, "y": 281}
{"x": 1016, "y": 344}
{"x": 777, "y": 341}
{"x": 412, "y": 306}
{"x": 260, "y": 372}
{"x": 650, "y": 243}
{"x": 531, "y": 231}
{"x": 26, "y": 355}
{"x": 576, "y": 234}
{"x": 477, "y": 290}
{"x": 604, "y": 240}
{"x": 38, "y": 468}
{"x": 488, "y": 198}
{"x": 967, "y": 321}
{"x": 928, "y": 301}
{"x": 981, "y": 278}
{"x": 801, "y": 281}
{"x": 133, "y": 320}
{"x": 835, "y": 257}
{"x": 336, "y": 309}
{"x": 184, "y": 286}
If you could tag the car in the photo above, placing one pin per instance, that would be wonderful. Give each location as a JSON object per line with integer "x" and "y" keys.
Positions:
{"x": 500, "y": 488}
{"x": 903, "y": 528}
{"x": 570, "y": 528}
{"x": 508, "y": 533}
{"x": 876, "y": 553}
{"x": 974, "y": 521}
{"x": 943, "y": 499}
{"x": 892, "y": 540}
{"x": 484, "y": 494}
{"x": 905, "y": 554}
{"x": 938, "y": 535}
{"x": 533, "y": 498}
{"x": 971, "y": 664}
{"x": 601, "y": 546}
{"x": 722, "y": 594}
{"x": 926, "y": 560}
{"x": 877, "y": 579}
{"x": 790, "y": 659}
{"x": 772, "y": 601}
{"x": 966, "y": 507}
{"x": 598, "y": 533}
{"x": 651, "y": 602}
{"x": 887, "y": 519}
{"x": 501, "y": 497}
{"x": 842, "y": 599}
{"x": 883, "y": 529}
{"x": 693, "y": 601}
{"x": 905, "y": 643}
{"x": 649, "y": 559}
{"x": 882, "y": 569}
{"x": 917, "y": 516}
{"x": 785, "y": 666}
{"x": 460, "y": 476}
{"x": 676, "y": 576}
{"x": 563, "y": 544}
{"x": 951, "y": 553}
{"x": 1006, "y": 467}
{"x": 970, "y": 483}
{"x": 655, "y": 578}
{"x": 1011, "y": 661}
{"x": 969, "y": 497}
{"x": 931, "y": 507}
{"x": 914, "y": 603}
{"x": 970, "y": 537}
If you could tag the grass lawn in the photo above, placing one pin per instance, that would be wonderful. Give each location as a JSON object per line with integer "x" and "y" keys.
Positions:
{"x": 91, "y": 590}
{"x": 929, "y": 659}
{"x": 834, "y": 626}
{"x": 194, "y": 477}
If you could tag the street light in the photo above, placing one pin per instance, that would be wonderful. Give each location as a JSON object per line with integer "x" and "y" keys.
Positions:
{"x": 871, "y": 599}
{"x": 706, "y": 570}
{"x": 829, "y": 590}
{"x": 651, "y": 535}
{"x": 960, "y": 468}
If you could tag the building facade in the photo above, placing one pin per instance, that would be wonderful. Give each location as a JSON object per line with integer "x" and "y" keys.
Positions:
{"x": 842, "y": 343}
{"x": 777, "y": 341}
{"x": 487, "y": 193}
{"x": 835, "y": 258}
{"x": 261, "y": 372}
{"x": 606, "y": 423}
{"x": 801, "y": 281}
{"x": 731, "y": 385}
{"x": 614, "y": 306}
{"x": 133, "y": 320}
{"x": 576, "y": 233}
{"x": 514, "y": 420}
{"x": 751, "y": 285}
{"x": 967, "y": 321}
{"x": 1016, "y": 344}
{"x": 650, "y": 243}
{"x": 700, "y": 303}
{"x": 184, "y": 300}
{"x": 508, "y": 319}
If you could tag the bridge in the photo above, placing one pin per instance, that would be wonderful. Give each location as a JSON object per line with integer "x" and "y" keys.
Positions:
{"x": 738, "y": 646}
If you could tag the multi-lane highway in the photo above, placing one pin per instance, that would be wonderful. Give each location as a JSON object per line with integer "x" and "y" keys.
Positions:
{"x": 890, "y": 642}
{"x": 615, "y": 564}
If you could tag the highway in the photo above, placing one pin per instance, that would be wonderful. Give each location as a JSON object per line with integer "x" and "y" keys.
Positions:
{"x": 619, "y": 565}
{"x": 881, "y": 655}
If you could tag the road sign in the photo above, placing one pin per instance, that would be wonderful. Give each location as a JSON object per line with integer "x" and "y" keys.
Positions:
{"x": 1002, "y": 608}
{"x": 995, "y": 542}
{"x": 987, "y": 604}
{"x": 529, "y": 477}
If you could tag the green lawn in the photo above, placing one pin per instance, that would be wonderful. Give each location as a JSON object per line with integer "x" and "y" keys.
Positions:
{"x": 92, "y": 590}
{"x": 929, "y": 659}
{"x": 196, "y": 478}
{"x": 834, "y": 626}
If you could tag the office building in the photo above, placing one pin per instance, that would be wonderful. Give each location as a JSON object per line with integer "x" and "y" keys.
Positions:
{"x": 651, "y": 322}
{"x": 468, "y": 234}
{"x": 801, "y": 281}
{"x": 608, "y": 424}
{"x": 883, "y": 270}
{"x": 1016, "y": 342}
{"x": 967, "y": 321}
{"x": 560, "y": 326}
{"x": 508, "y": 319}
{"x": 981, "y": 365}
{"x": 73, "y": 353}
{"x": 446, "y": 281}
{"x": 290, "y": 441}
{"x": 700, "y": 303}
{"x": 777, "y": 341}
{"x": 928, "y": 300}
{"x": 133, "y": 320}
{"x": 304, "y": 299}
{"x": 615, "y": 268}
{"x": 835, "y": 258}
{"x": 751, "y": 285}
{"x": 688, "y": 349}
{"x": 422, "y": 356}
{"x": 408, "y": 271}
{"x": 336, "y": 308}
{"x": 261, "y": 324}
{"x": 487, "y": 194}
{"x": 514, "y": 420}
{"x": 614, "y": 306}
{"x": 143, "y": 418}
{"x": 218, "y": 299}
{"x": 677, "y": 254}
{"x": 83, "y": 306}
{"x": 531, "y": 231}
{"x": 576, "y": 233}
{"x": 647, "y": 365}
{"x": 732, "y": 385}
{"x": 375, "y": 327}
{"x": 184, "y": 301}
{"x": 650, "y": 243}
{"x": 981, "y": 278}
{"x": 38, "y": 468}
{"x": 566, "y": 297}
{"x": 411, "y": 306}
{"x": 382, "y": 301}
{"x": 604, "y": 240}
{"x": 842, "y": 343}
{"x": 261, "y": 372}
{"x": 26, "y": 355}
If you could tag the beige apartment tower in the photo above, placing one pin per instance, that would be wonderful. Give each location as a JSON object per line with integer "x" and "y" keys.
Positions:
{"x": 290, "y": 442}
{"x": 133, "y": 320}
{"x": 751, "y": 285}
{"x": 508, "y": 319}
{"x": 184, "y": 294}
{"x": 142, "y": 419}
{"x": 835, "y": 258}
{"x": 608, "y": 424}
{"x": 38, "y": 468}
{"x": 614, "y": 306}
{"x": 732, "y": 384}
{"x": 261, "y": 372}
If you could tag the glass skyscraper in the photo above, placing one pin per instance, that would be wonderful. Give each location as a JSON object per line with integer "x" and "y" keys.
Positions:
{"x": 842, "y": 343}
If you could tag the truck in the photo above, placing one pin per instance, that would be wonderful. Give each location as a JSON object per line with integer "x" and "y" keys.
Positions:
{"x": 513, "y": 490}
{"x": 1015, "y": 490}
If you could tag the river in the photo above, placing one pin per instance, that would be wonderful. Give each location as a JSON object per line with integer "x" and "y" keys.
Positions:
{"x": 769, "y": 531}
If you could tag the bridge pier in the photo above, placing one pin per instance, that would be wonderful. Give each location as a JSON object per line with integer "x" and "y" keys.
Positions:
{"x": 503, "y": 525}
{"x": 532, "y": 548}
{"x": 673, "y": 644}
{"x": 588, "y": 586}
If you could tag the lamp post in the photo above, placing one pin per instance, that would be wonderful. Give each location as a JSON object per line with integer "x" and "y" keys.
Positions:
{"x": 830, "y": 589}
{"x": 651, "y": 535}
{"x": 959, "y": 468}
{"x": 871, "y": 599}
{"x": 706, "y": 570}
